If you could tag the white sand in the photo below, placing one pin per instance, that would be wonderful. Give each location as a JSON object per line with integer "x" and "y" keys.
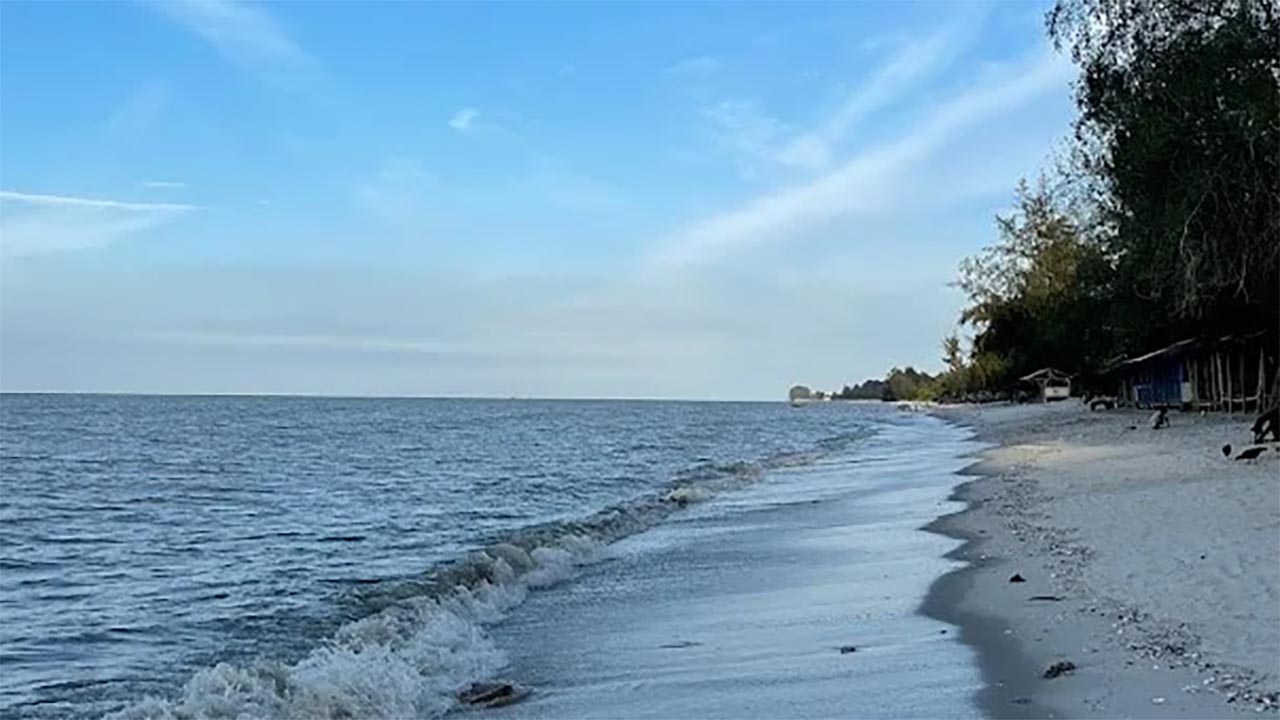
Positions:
{"x": 1166, "y": 554}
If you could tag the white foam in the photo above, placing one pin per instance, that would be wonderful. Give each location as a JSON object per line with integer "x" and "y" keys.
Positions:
{"x": 409, "y": 660}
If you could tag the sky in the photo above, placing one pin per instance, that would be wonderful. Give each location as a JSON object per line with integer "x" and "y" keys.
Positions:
{"x": 664, "y": 200}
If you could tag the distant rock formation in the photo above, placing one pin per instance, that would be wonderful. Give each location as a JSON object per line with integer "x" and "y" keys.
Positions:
{"x": 799, "y": 392}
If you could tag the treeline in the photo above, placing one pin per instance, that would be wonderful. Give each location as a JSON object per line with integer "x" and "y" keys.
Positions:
{"x": 1161, "y": 222}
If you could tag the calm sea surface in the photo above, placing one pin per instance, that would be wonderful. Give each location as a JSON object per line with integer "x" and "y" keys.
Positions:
{"x": 302, "y": 556}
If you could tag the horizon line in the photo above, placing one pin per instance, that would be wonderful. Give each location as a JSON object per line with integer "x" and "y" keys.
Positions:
{"x": 325, "y": 396}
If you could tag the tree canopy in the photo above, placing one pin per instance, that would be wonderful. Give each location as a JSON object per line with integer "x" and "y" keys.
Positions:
{"x": 1164, "y": 220}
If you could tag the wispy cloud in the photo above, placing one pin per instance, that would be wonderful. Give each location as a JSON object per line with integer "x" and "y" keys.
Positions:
{"x": 164, "y": 184}
{"x": 242, "y": 32}
{"x": 904, "y": 68}
{"x": 461, "y": 120}
{"x": 323, "y": 342}
{"x": 868, "y": 180}
{"x": 700, "y": 65}
{"x": 520, "y": 346}
{"x": 32, "y": 224}
{"x": 141, "y": 110}
{"x": 760, "y": 139}
{"x": 750, "y": 135}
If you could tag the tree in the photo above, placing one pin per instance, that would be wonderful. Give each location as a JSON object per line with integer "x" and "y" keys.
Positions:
{"x": 951, "y": 354}
{"x": 1180, "y": 128}
{"x": 1040, "y": 296}
{"x": 909, "y": 384}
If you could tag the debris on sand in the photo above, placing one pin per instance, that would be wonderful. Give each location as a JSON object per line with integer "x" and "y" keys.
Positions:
{"x": 492, "y": 694}
{"x": 1062, "y": 667}
{"x": 1251, "y": 453}
{"x": 846, "y": 649}
{"x": 1017, "y": 578}
{"x": 679, "y": 645}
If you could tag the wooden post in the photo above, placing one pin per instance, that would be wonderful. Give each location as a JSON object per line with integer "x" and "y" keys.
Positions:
{"x": 1217, "y": 381}
{"x": 1222, "y": 377}
{"x": 1262, "y": 381}
{"x": 1231, "y": 409}
{"x": 1214, "y": 379}
{"x": 1244, "y": 377}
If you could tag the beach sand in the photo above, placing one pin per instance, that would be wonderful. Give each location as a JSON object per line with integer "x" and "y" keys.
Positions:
{"x": 1157, "y": 557}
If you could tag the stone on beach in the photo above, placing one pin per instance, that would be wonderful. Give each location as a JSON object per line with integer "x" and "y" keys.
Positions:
{"x": 1062, "y": 667}
{"x": 492, "y": 694}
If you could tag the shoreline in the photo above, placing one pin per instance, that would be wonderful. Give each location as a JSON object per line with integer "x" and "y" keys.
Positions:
{"x": 796, "y": 597}
{"x": 1071, "y": 501}
{"x": 1006, "y": 692}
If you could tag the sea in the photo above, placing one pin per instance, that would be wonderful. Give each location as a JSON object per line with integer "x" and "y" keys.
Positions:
{"x": 298, "y": 557}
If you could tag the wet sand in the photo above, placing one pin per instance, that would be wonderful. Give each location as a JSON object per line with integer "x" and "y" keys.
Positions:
{"x": 742, "y": 606}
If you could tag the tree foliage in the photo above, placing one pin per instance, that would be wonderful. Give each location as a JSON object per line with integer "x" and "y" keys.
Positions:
{"x": 1180, "y": 128}
{"x": 1164, "y": 223}
{"x": 1039, "y": 296}
{"x": 868, "y": 390}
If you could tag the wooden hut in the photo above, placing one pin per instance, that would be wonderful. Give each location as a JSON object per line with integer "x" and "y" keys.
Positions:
{"x": 1051, "y": 384}
{"x": 1231, "y": 373}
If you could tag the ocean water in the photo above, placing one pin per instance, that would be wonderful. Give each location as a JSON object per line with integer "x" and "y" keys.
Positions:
{"x": 365, "y": 558}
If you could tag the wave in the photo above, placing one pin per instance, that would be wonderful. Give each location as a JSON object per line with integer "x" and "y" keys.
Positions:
{"x": 422, "y": 640}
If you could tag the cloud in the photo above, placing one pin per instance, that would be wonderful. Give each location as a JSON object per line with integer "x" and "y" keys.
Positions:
{"x": 141, "y": 110}
{"x": 751, "y": 135}
{"x": 461, "y": 120}
{"x": 321, "y": 342}
{"x": 891, "y": 80}
{"x": 164, "y": 184}
{"x": 868, "y": 181}
{"x": 31, "y": 224}
{"x": 700, "y": 65}
{"x": 245, "y": 34}
{"x": 742, "y": 127}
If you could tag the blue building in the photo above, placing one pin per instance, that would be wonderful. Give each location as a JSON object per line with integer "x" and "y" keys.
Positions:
{"x": 1231, "y": 373}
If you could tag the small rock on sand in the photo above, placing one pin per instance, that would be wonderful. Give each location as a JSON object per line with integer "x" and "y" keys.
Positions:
{"x": 1017, "y": 578}
{"x": 1062, "y": 667}
{"x": 492, "y": 694}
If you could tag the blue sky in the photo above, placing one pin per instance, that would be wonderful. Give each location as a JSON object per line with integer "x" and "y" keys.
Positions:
{"x": 573, "y": 199}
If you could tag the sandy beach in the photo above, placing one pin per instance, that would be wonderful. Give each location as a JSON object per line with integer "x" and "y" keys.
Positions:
{"x": 1151, "y": 563}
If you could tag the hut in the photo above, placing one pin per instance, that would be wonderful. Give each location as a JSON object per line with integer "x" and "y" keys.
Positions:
{"x": 1231, "y": 373}
{"x": 1051, "y": 384}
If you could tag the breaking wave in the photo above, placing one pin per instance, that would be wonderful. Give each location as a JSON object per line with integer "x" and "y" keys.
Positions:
{"x": 422, "y": 640}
